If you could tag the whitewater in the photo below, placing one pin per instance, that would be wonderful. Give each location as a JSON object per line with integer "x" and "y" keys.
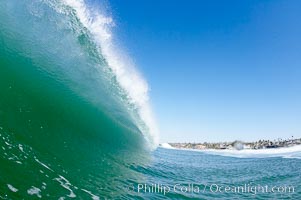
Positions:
{"x": 130, "y": 80}
{"x": 284, "y": 152}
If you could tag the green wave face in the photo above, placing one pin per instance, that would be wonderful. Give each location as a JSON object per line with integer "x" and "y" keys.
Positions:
{"x": 67, "y": 127}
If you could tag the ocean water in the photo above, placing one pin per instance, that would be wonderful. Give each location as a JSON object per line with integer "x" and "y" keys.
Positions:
{"x": 75, "y": 121}
{"x": 74, "y": 113}
{"x": 186, "y": 174}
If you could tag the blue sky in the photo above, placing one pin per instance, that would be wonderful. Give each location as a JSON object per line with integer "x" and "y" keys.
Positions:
{"x": 218, "y": 70}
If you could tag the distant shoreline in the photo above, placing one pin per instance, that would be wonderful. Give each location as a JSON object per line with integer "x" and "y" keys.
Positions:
{"x": 237, "y": 145}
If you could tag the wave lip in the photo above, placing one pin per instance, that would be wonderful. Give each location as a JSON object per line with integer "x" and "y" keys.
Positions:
{"x": 100, "y": 26}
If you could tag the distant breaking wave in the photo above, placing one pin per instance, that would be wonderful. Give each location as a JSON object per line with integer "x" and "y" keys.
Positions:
{"x": 284, "y": 152}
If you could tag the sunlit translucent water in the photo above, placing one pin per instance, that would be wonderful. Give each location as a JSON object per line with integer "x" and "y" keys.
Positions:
{"x": 70, "y": 126}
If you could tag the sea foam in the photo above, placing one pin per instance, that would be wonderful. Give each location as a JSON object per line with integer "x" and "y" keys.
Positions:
{"x": 285, "y": 152}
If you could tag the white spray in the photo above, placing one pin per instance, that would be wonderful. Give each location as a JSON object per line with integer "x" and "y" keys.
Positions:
{"x": 130, "y": 80}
